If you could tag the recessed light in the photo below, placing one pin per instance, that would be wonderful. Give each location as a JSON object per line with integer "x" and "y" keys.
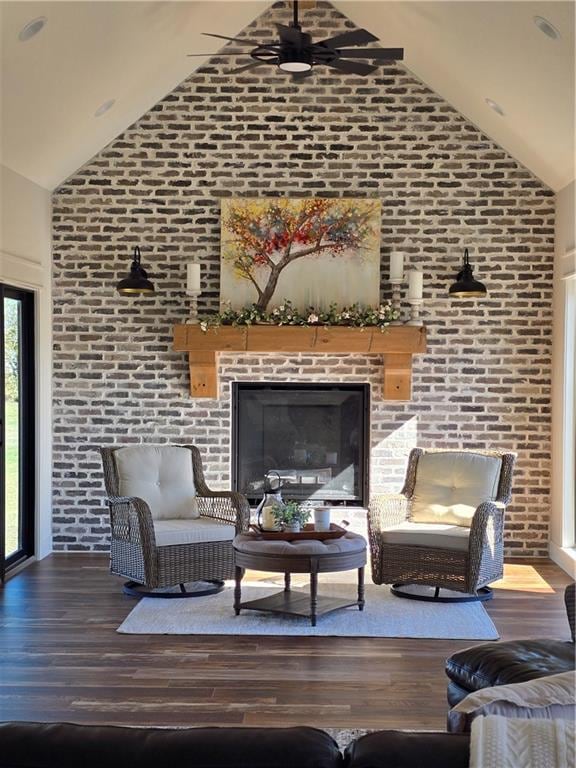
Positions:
{"x": 103, "y": 108}
{"x": 496, "y": 107}
{"x": 545, "y": 26}
{"x": 31, "y": 29}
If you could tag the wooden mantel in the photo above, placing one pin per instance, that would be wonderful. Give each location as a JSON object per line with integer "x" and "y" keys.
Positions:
{"x": 396, "y": 344}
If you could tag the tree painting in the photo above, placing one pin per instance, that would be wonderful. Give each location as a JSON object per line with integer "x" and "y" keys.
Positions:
{"x": 268, "y": 243}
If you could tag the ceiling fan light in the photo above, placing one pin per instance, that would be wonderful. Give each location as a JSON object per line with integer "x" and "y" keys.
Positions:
{"x": 295, "y": 66}
{"x": 294, "y": 60}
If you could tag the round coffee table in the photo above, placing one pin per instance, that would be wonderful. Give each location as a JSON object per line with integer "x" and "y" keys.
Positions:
{"x": 309, "y": 556}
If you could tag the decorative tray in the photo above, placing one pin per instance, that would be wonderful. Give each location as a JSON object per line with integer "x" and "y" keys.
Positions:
{"x": 307, "y": 532}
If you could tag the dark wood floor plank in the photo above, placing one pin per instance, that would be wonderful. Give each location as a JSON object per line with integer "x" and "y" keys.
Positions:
{"x": 61, "y": 659}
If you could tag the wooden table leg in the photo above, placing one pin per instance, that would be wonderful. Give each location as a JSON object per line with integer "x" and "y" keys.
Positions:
{"x": 287, "y": 582}
{"x": 361, "y": 588}
{"x": 238, "y": 574}
{"x": 313, "y": 595}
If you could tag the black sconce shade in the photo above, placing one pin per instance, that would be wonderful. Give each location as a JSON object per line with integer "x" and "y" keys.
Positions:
{"x": 137, "y": 281}
{"x": 465, "y": 286}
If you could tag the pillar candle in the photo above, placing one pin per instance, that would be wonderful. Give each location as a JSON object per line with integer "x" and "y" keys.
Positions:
{"x": 268, "y": 520}
{"x": 193, "y": 277}
{"x": 415, "y": 283}
{"x": 396, "y": 266}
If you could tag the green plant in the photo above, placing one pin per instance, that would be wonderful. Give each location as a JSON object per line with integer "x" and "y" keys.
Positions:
{"x": 290, "y": 512}
{"x": 286, "y": 313}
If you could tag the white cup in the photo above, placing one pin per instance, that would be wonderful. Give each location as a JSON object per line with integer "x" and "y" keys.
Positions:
{"x": 322, "y": 519}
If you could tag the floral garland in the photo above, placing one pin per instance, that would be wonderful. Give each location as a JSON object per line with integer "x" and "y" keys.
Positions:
{"x": 354, "y": 316}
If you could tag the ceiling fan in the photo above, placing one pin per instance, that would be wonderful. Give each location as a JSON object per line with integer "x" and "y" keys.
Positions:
{"x": 296, "y": 53}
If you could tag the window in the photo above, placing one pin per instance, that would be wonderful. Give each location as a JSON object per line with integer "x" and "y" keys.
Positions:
{"x": 569, "y": 436}
{"x": 17, "y": 470}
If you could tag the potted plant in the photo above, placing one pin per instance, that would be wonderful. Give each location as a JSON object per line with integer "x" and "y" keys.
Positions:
{"x": 290, "y": 516}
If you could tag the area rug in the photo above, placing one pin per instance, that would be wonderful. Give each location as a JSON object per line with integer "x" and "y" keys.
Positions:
{"x": 384, "y": 616}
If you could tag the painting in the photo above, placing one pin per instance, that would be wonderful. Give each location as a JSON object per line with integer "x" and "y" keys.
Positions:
{"x": 312, "y": 251}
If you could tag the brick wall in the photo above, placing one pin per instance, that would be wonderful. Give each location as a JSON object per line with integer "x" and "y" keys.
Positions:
{"x": 485, "y": 382}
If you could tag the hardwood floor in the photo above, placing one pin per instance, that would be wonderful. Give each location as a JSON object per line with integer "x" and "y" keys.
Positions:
{"x": 61, "y": 659}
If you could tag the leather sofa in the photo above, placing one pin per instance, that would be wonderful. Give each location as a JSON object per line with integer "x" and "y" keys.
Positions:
{"x": 513, "y": 661}
{"x": 62, "y": 745}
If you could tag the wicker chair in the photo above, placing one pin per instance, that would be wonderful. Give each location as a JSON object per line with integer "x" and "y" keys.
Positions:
{"x": 168, "y": 527}
{"x": 445, "y": 529}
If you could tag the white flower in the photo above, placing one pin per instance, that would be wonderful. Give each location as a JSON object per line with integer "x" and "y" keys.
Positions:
{"x": 281, "y": 307}
{"x": 312, "y": 318}
{"x": 204, "y": 326}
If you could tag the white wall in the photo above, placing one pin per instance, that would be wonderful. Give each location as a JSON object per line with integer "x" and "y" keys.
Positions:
{"x": 562, "y": 533}
{"x": 25, "y": 262}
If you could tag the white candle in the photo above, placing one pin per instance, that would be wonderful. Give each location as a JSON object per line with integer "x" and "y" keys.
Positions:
{"x": 268, "y": 520}
{"x": 396, "y": 266}
{"x": 193, "y": 277}
{"x": 415, "y": 284}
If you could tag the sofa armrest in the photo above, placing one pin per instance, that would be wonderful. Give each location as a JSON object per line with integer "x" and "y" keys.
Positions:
{"x": 399, "y": 749}
{"x": 569, "y": 600}
{"x": 227, "y": 506}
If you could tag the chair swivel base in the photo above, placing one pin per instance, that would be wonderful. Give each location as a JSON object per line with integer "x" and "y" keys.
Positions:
{"x": 400, "y": 590}
{"x": 199, "y": 589}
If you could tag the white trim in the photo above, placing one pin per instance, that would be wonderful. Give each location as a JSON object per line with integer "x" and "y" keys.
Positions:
{"x": 568, "y": 265}
{"x": 18, "y": 270}
{"x": 565, "y": 557}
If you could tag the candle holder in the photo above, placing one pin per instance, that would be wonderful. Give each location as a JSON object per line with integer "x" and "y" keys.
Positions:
{"x": 415, "y": 305}
{"x": 396, "y": 282}
{"x": 193, "y": 319}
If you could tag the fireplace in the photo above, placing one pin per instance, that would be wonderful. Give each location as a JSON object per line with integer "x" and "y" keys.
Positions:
{"x": 316, "y": 436}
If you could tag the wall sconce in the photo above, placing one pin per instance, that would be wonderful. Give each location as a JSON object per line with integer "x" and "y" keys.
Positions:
{"x": 193, "y": 289}
{"x": 465, "y": 286}
{"x": 137, "y": 282}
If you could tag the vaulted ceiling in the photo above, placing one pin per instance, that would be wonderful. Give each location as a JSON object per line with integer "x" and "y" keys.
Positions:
{"x": 135, "y": 53}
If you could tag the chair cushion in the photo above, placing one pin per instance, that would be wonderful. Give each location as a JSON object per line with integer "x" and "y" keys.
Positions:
{"x": 513, "y": 661}
{"x": 162, "y": 475}
{"x": 435, "y": 535}
{"x": 195, "y": 531}
{"x": 450, "y": 485}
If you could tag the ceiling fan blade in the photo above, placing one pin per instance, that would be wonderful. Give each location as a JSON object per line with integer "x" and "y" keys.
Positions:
{"x": 219, "y": 53}
{"x": 291, "y": 35}
{"x": 352, "y": 67}
{"x": 232, "y": 39}
{"x": 246, "y": 67}
{"x": 391, "y": 54}
{"x": 354, "y": 37}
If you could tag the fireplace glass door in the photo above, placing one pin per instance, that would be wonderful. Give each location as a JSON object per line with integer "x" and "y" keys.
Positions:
{"x": 314, "y": 436}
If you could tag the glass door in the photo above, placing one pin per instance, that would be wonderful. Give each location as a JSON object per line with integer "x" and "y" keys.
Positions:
{"x": 17, "y": 475}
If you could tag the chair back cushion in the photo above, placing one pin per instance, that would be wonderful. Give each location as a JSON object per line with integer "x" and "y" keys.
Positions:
{"x": 450, "y": 485}
{"x": 162, "y": 475}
